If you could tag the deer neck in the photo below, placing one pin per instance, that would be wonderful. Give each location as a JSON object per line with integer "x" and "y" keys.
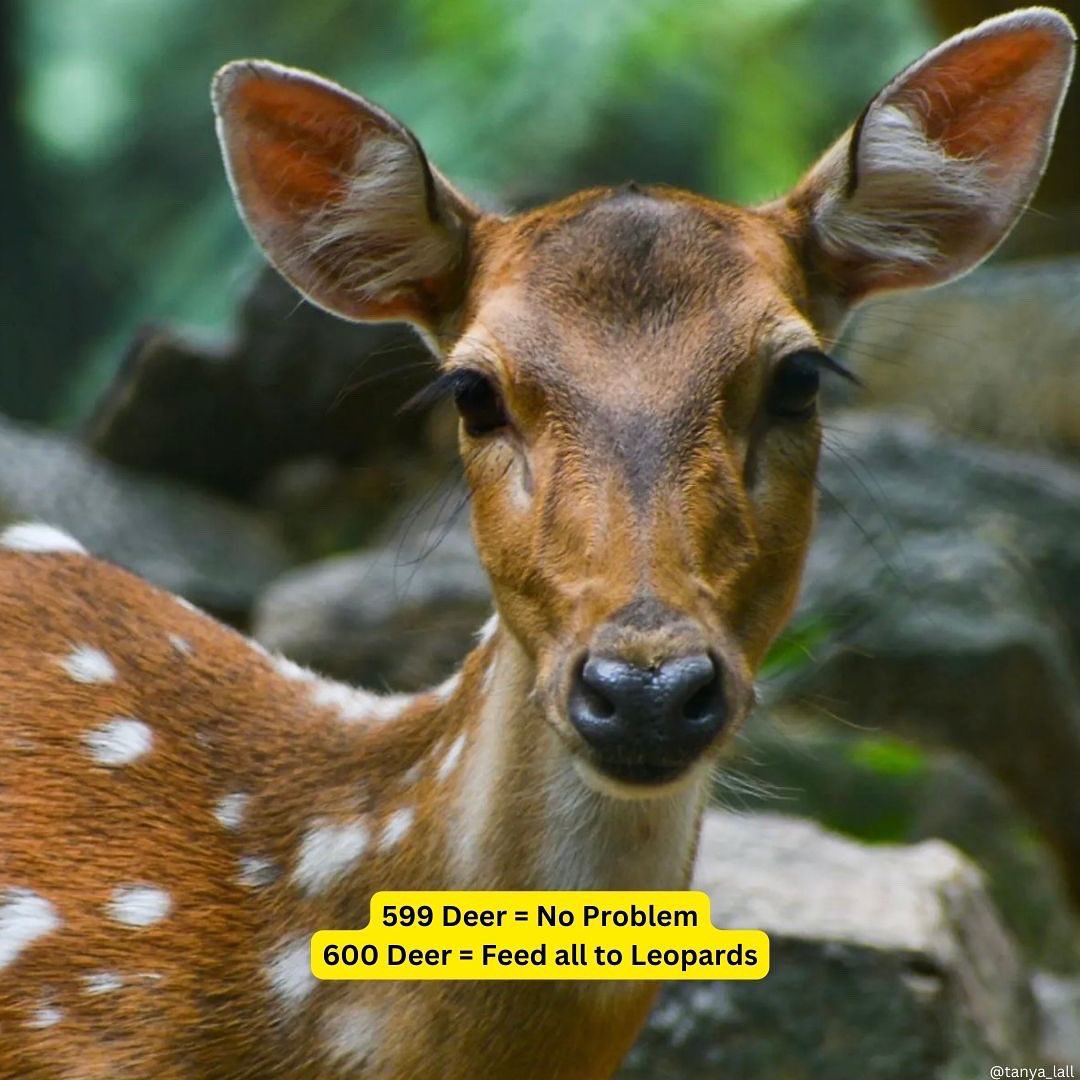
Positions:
{"x": 519, "y": 814}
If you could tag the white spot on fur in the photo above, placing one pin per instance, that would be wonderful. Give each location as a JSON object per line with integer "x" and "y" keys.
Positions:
{"x": 289, "y": 669}
{"x": 230, "y": 809}
{"x": 45, "y": 1016}
{"x": 446, "y": 689}
{"x": 353, "y": 1036}
{"x": 102, "y": 982}
{"x": 119, "y": 742}
{"x": 289, "y": 971}
{"x": 254, "y": 871}
{"x": 24, "y": 917}
{"x": 88, "y": 665}
{"x": 326, "y": 853}
{"x": 187, "y": 605}
{"x": 181, "y": 644}
{"x": 395, "y": 828}
{"x": 353, "y": 705}
{"x": 519, "y": 486}
{"x": 453, "y": 756}
{"x": 488, "y": 631}
{"x": 35, "y": 537}
{"x": 414, "y": 773}
{"x": 139, "y": 905}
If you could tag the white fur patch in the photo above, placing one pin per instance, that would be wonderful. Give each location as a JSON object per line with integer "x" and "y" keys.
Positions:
{"x": 353, "y": 1036}
{"x": 908, "y": 187}
{"x": 88, "y": 665}
{"x": 395, "y": 827}
{"x": 353, "y": 705}
{"x": 181, "y": 644}
{"x": 254, "y": 872}
{"x": 446, "y": 689}
{"x": 230, "y": 810}
{"x": 415, "y": 771}
{"x": 289, "y": 669}
{"x": 119, "y": 742}
{"x": 102, "y": 982}
{"x": 187, "y": 605}
{"x": 373, "y": 230}
{"x": 139, "y": 905}
{"x": 488, "y": 631}
{"x": 289, "y": 971}
{"x": 24, "y": 917}
{"x": 450, "y": 762}
{"x": 35, "y": 537}
{"x": 45, "y": 1016}
{"x": 327, "y": 852}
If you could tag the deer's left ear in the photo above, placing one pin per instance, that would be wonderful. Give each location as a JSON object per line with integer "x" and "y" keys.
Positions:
{"x": 341, "y": 198}
{"x": 942, "y": 161}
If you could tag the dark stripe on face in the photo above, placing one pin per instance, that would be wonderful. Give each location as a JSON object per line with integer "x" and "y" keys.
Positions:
{"x": 624, "y": 260}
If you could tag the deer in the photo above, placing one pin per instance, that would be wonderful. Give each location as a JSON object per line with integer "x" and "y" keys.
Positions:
{"x": 636, "y": 370}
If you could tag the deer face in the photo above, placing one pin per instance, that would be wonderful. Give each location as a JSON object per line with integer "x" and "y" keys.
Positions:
{"x": 636, "y": 369}
{"x": 637, "y": 383}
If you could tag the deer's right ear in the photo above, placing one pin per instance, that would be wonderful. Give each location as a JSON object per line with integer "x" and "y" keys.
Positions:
{"x": 942, "y": 161}
{"x": 341, "y": 198}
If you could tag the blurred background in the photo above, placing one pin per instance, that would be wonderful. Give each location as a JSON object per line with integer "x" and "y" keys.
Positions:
{"x": 179, "y": 409}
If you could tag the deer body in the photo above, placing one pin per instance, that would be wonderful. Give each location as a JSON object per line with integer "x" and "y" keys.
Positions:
{"x": 278, "y": 802}
{"x": 636, "y": 373}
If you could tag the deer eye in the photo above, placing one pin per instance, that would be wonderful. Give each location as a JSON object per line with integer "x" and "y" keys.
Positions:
{"x": 793, "y": 392}
{"x": 478, "y": 403}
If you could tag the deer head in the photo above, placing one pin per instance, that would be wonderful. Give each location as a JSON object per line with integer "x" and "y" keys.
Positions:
{"x": 637, "y": 368}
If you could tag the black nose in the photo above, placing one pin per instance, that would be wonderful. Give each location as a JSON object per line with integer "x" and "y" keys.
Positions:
{"x": 647, "y": 723}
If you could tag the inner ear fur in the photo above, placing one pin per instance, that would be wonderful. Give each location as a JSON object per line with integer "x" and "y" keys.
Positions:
{"x": 341, "y": 198}
{"x": 942, "y": 162}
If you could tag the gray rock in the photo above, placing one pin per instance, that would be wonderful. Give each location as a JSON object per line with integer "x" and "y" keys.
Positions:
{"x": 399, "y": 615}
{"x": 292, "y": 382}
{"x": 886, "y": 962}
{"x": 872, "y": 785}
{"x": 1058, "y": 999}
{"x": 949, "y": 576}
{"x": 992, "y": 355}
{"x": 202, "y": 547}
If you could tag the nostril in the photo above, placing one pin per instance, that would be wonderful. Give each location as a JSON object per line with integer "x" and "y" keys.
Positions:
{"x": 592, "y": 697}
{"x": 700, "y": 704}
{"x": 693, "y": 687}
{"x": 601, "y": 707}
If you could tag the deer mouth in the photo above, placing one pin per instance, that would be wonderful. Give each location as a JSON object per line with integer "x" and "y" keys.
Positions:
{"x": 639, "y": 772}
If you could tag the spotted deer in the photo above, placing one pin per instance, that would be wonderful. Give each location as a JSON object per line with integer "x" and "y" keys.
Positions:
{"x": 636, "y": 371}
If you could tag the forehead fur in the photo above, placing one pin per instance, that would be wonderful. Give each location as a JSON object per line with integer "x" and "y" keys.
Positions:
{"x": 617, "y": 282}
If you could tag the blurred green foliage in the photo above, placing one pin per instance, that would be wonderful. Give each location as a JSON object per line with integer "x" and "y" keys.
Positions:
{"x": 517, "y": 100}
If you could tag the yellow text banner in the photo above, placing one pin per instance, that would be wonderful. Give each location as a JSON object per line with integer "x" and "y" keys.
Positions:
{"x": 540, "y": 935}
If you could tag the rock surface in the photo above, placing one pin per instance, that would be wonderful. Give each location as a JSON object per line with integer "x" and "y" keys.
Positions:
{"x": 947, "y": 574}
{"x": 214, "y": 553}
{"x": 992, "y": 355}
{"x": 886, "y": 962}
{"x": 401, "y": 614}
{"x": 293, "y": 382}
